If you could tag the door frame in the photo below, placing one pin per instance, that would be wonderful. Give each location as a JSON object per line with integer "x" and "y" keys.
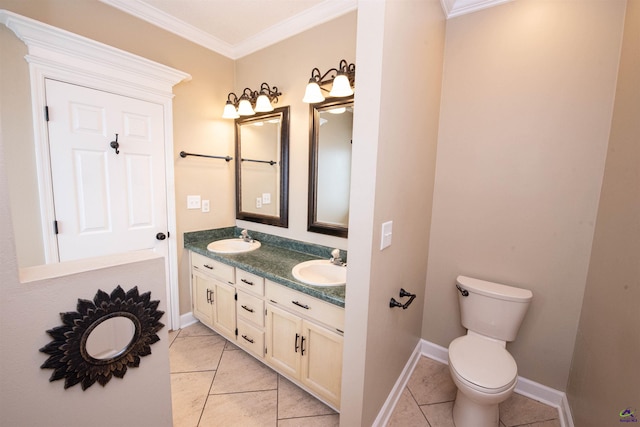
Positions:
{"x": 57, "y": 54}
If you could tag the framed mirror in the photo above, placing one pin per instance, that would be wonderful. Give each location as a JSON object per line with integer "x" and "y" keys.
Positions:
{"x": 330, "y": 140}
{"x": 262, "y": 168}
{"x": 103, "y": 338}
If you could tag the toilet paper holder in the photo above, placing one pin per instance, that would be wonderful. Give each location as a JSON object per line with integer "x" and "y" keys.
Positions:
{"x": 403, "y": 293}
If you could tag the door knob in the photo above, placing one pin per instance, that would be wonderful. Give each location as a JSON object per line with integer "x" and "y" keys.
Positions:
{"x": 161, "y": 236}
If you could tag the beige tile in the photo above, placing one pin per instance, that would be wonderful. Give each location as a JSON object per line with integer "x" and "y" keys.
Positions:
{"x": 229, "y": 346}
{"x": 239, "y": 372}
{"x": 172, "y": 336}
{"x": 407, "y": 412}
{"x": 439, "y": 414}
{"x": 251, "y": 409}
{"x": 189, "y": 393}
{"x": 293, "y": 402}
{"x": 518, "y": 410}
{"x": 196, "y": 330}
{"x": 318, "y": 421}
{"x": 191, "y": 354}
{"x": 431, "y": 382}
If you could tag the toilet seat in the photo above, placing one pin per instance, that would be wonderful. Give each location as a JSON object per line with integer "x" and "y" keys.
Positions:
{"x": 482, "y": 364}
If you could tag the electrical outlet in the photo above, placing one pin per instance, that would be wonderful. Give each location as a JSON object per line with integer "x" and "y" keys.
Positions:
{"x": 266, "y": 198}
{"x": 205, "y": 206}
{"x": 258, "y": 202}
{"x": 193, "y": 202}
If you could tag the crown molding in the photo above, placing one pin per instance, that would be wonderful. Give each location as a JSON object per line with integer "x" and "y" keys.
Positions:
{"x": 453, "y": 8}
{"x": 323, "y": 12}
{"x": 62, "y": 49}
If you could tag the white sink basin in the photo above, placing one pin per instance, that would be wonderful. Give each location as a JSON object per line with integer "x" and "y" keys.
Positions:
{"x": 232, "y": 246}
{"x": 320, "y": 272}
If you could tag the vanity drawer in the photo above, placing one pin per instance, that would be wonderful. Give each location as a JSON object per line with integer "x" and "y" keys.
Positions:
{"x": 250, "y": 338}
{"x": 209, "y": 266}
{"x": 250, "y": 282}
{"x": 306, "y": 305}
{"x": 251, "y": 308}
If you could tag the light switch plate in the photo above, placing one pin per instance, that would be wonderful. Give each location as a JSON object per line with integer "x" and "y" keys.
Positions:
{"x": 258, "y": 202}
{"x": 387, "y": 233}
{"x": 266, "y": 198}
{"x": 205, "y": 206}
{"x": 193, "y": 202}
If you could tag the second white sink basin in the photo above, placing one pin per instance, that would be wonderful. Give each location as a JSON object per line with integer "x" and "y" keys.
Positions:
{"x": 320, "y": 272}
{"x": 233, "y": 246}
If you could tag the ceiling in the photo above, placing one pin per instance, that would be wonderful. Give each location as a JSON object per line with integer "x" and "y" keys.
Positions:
{"x": 236, "y": 28}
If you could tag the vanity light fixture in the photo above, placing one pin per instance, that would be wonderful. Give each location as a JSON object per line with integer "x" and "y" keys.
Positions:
{"x": 342, "y": 79}
{"x": 251, "y": 102}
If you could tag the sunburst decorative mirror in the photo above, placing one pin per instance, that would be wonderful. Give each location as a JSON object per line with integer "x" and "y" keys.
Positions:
{"x": 103, "y": 338}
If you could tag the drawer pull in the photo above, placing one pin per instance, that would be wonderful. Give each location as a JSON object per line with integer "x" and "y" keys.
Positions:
{"x": 248, "y": 339}
{"x": 306, "y": 307}
{"x": 247, "y": 282}
{"x": 210, "y": 267}
{"x": 250, "y": 310}
{"x": 296, "y": 343}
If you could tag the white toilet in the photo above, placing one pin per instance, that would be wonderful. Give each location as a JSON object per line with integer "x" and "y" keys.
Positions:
{"x": 481, "y": 367}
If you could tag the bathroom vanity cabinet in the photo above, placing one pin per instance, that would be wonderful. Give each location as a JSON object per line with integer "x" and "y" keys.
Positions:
{"x": 297, "y": 335}
{"x": 304, "y": 340}
{"x": 213, "y": 294}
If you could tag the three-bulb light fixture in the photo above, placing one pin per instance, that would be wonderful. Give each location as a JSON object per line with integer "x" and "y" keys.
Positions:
{"x": 251, "y": 102}
{"x": 342, "y": 78}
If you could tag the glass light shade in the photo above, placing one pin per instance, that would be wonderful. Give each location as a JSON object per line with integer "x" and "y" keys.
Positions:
{"x": 313, "y": 94}
{"x": 245, "y": 109}
{"x": 230, "y": 112}
{"x": 341, "y": 86}
{"x": 263, "y": 104}
{"x": 338, "y": 110}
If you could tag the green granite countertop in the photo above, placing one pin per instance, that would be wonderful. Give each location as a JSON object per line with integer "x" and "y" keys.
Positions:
{"x": 273, "y": 260}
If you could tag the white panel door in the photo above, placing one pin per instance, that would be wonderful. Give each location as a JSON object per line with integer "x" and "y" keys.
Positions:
{"x": 107, "y": 200}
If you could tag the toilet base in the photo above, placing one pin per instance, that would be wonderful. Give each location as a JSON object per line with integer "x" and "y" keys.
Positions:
{"x": 467, "y": 413}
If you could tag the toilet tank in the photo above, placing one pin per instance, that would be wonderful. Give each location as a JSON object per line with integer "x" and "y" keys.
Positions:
{"x": 492, "y": 309}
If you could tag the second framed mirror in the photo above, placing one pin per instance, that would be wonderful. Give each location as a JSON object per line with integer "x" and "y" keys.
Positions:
{"x": 262, "y": 168}
{"x": 330, "y": 140}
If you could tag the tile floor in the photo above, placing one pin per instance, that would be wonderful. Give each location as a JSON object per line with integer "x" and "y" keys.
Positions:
{"x": 216, "y": 384}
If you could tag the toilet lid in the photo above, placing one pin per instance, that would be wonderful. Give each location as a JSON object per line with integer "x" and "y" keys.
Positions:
{"x": 482, "y": 362}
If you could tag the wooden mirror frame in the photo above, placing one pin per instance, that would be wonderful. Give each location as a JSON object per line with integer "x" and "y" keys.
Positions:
{"x": 283, "y": 219}
{"x": 313, "y": 225}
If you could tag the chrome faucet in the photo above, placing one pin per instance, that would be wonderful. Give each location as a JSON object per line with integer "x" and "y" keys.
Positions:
{"x": 244, "y": 234}
{"x": 335, "y": 258}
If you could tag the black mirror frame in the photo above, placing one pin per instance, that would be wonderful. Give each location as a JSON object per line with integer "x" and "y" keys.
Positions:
{"x": 283, "y": 219}
{"x": 313, "y": 225}
{"x": 68, "y": 355}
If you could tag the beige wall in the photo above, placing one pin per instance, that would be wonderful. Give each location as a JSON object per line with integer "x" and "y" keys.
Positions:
{"x": 288, "y": 66}
{"x": 197, "y": 108}
{"x": 605, "y": 378}
{"x": 526, "y": 107}
{"x": 400, "y": 49}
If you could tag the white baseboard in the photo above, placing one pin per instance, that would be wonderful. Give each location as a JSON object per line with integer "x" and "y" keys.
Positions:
{"x": 187, "y": 319}
{"x": 525, "y": 387}
{"x": 389, "y": 405}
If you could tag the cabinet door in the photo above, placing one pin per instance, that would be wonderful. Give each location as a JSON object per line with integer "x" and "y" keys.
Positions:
{"x": 202, "y": 296}
{"x": 284, "y": 332}
{"x": 321, "y": 351}
{"x": 224, "y": 309}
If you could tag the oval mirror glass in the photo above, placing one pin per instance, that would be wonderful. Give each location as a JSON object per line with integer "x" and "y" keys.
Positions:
{"x": 110, "y": 338}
